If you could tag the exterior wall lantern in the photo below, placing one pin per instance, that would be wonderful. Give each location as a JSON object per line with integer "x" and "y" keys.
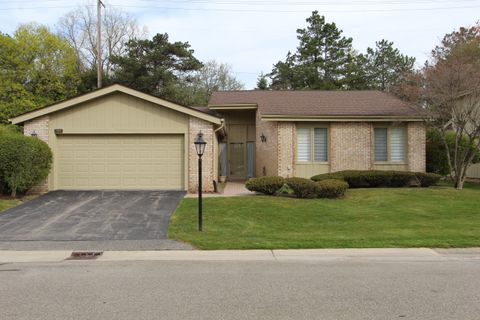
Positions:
{"x": 263, "y": 138}
{"x": 200, "y": 148}
{"x": 34, "y": 134}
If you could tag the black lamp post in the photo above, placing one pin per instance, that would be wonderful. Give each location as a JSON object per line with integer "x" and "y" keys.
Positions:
{"x": 200, "y": 148}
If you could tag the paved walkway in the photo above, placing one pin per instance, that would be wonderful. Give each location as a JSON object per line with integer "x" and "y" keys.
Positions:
{"x": 387, "y": 254}
{"x": 232, "y": 189}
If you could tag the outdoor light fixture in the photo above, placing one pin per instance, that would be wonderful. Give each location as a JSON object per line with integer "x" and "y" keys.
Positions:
{"x": 200, "y": 148}
{"x": 200, "y": 144}
{"x": 34, "y": 134}
{"x": 263, "y": 138}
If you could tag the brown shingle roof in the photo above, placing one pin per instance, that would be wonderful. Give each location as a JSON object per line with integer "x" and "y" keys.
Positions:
{"x": 319, "y": 103}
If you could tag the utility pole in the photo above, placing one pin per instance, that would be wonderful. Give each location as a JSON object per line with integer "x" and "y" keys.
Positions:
{"x": 99, "y": 43}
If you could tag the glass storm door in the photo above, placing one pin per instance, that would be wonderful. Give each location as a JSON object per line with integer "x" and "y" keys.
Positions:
{"x": 237, "y": 160}
{"x": 250, "y": 159}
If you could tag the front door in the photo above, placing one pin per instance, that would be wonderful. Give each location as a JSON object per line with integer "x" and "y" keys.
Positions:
{"x": 237, "y": 135}
{"x": 237, "y": 160}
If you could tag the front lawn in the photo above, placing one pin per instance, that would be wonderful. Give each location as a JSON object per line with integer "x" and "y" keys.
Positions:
{"x": 8, "y": 203}
{"x": 403, "y": 217}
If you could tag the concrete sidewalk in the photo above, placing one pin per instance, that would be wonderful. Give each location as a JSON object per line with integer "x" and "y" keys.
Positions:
{"x": 393, "y": 254}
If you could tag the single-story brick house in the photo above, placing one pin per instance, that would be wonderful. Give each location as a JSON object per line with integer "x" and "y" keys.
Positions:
{"x": 120, "y": 138}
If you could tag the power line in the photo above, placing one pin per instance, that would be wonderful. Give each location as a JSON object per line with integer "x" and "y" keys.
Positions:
{"x": 295, "y": 11}
{"x": 279, "y": 2}
{"x": 35, "y": 8}
{"x": 331, "y": 2}
{"x": 261, "y": 3}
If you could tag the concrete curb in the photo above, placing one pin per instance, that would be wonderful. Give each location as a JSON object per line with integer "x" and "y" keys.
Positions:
{"x": 394, "y": 254}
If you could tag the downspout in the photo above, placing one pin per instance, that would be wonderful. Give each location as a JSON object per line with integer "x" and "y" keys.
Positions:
{"x": 222, "y": 126}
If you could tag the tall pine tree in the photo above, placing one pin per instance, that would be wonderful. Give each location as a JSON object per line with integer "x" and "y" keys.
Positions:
{"x": 322, "y": 61}
{"x": 386, "y": 66}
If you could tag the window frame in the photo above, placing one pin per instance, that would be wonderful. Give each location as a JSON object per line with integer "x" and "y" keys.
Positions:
{"x": 389, "y": 128}
{"x": 312, "y": 144}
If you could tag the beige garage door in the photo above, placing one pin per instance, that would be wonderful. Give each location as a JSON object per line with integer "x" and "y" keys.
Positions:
{"x": 120, "y": 162}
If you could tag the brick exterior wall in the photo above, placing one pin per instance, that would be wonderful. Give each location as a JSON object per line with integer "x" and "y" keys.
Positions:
{"x": 416, "y": 133}
{"x": 350, "y": 146}
{"x": 196, "y": 125}
{"x": 286, "y": 149}
{"x": 40, "y": 127}
{"x": 266, "y": 153}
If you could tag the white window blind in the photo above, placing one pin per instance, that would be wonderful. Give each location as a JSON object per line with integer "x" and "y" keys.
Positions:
{"x": 397, "y": 144}
{"x": 303, "y": 144}
{"x": 320, "y": 144}
{"x": 380, "y": 144}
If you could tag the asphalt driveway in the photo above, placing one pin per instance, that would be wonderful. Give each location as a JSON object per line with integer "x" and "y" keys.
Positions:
{"x": 91, "y": 216}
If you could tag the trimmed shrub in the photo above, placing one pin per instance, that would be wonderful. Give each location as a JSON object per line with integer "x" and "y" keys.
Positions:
{"x": 401, "y": 178}
{"x": 328, "y": 176}
{"x": 332, "y": 188}
{"x": 303, "y": 188}
{"x": 24, "y": 162}
{"x": 427, "y": 179}
{"x": 9, "y": 128}
{"x": 370, "y": 178}
{"x": 265, "y": 185}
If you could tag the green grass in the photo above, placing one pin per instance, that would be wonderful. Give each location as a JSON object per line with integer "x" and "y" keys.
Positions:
{"x": 8, "y": 203}
{"x": 365, "y": 218}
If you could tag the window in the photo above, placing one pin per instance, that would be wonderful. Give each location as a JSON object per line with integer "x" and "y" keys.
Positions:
{"x": 397, "y": 142}
{"x": 381, "y": 148}
{"x": 389, "y": 144}
{"x": 320, "y": 143}
{"x": 304, "y": 144}
{"x": 316, "y": 151}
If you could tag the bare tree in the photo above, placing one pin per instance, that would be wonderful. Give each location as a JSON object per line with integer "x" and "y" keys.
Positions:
{"x": 452, "y": 92}
{"x": 213, "y": 76}
{"x": 79, "y": 28}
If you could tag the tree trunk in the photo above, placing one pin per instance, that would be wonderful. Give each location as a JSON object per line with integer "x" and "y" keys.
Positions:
{"x": 14, "y": 192}
{"x": 459, "y": 183}
{"x": 460, "y": 178}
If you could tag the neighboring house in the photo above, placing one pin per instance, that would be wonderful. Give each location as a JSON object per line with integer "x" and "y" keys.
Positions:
{"x": 119, "y": 138}
{"x": 473, "y": 172}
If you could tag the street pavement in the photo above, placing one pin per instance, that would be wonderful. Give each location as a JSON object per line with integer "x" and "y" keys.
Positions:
{"x": 285, "y": 284}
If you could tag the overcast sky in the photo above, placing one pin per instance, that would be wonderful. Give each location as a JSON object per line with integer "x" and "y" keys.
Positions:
{"x": 252, "y": 35}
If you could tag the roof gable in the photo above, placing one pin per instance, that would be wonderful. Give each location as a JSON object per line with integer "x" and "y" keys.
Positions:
{"x": 109, "y": 90}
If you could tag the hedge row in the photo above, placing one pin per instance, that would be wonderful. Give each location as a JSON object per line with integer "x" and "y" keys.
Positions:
{"x": 377, "y": 178}
{"x": 300, "y": 187}
{"x": 334, "y": 185}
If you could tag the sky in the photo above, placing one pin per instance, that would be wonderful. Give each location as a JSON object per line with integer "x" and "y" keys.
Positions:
{"x": 252, "y": 35}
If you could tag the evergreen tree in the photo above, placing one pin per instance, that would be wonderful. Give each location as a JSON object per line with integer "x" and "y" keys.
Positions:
{"x": 156, "y": 66}
{"x": 282, "y": 75}
{"x": 262, "y": 83}
{"x": 385, "y": 65}
{"x": 322, "y": 61}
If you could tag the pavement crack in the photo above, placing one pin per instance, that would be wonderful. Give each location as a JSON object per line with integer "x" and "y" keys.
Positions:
{"x": 273, "y": 254}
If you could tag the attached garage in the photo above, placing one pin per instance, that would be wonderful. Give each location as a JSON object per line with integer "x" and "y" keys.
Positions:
{"x": 119, "y": 138}
{"x": 120, "y": 162}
